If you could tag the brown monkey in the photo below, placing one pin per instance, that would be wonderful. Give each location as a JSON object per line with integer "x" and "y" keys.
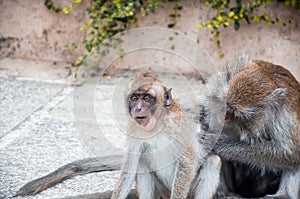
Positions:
{"x": 261, "y": 134}
{"x": 262, "y": 120}
{"x": 164, "y": 155}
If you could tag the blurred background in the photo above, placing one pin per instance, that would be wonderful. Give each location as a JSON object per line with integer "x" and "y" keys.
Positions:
{"x": 32, "y": 32}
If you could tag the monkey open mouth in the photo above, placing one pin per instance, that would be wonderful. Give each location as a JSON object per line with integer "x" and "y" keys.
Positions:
{"x": 141, "y": 117}
{"x": 141, "y": 120}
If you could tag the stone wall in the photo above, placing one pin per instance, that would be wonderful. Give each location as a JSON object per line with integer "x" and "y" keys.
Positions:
{"x": 28, "y": 30}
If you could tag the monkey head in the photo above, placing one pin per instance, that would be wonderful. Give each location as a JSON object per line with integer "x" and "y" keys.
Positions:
{"x": 253, "y": 98}
{"x": 250, "y": 91}
{"x": 147, "y": 98}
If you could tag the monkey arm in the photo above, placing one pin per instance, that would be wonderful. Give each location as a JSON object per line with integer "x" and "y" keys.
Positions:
{"x": 259, "y": 153}
{"x": 129, "y": 172}
{"x": 184, "y": 173}
{"x": 124, "y": 185}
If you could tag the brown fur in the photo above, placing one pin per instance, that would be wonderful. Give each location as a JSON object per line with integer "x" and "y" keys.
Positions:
{"x": 262, "y": 129}
{"x": 282, "y": 78}
{"x": 173, "y": 168}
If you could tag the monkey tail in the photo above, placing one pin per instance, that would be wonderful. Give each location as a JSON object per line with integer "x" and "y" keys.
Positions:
{"x": 104, "y": 195}
{"x": 79, "y": 167}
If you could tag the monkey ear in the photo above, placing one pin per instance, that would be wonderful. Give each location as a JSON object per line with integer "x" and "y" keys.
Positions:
{"x": 168, "y": 97}
{"x": 277, "y": 97}
{"x": 275, "y": 100}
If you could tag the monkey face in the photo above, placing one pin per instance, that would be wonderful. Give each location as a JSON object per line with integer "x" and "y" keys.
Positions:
{"x": 147, "y": 100}
{"x": 141, "y": 107}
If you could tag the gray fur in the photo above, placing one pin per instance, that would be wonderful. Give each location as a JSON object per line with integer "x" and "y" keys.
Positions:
{"x": 264, "y": 137}
{"x": 168, "y": 153}
{"x": 79, "y": 167}
{"x": 237, "y": 66}
{"x": 171, "y": 167}
{"x": 262, "y": 146}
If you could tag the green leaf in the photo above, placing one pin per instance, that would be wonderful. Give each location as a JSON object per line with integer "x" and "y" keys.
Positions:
{"x": 247, "y": 19}
{"x": 224, "y": 14}
{"x": 236, "y": 25}
{"x": 235, "y": 10}
{"x": 171, "y": 25}
{"x": 256, "y": 18}
{"x": 66, "y": 10}
{"x": 227, "y": 4}
{"x": 177, "y": 7}
{"x": 172, "y": 15}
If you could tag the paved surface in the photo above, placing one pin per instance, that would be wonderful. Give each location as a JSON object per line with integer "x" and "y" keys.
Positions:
{"x": 39, "y": 134}
{"x": 45, "y": 124}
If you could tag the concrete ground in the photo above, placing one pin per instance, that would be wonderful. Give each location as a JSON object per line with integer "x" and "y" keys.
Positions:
{"x": 38, "y": 134}
{"x": 46, "y": 122}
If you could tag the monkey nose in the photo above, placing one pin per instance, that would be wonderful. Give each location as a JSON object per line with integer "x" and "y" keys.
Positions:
{"x": 138, "y": 110}
{"x": 139, "y": 106}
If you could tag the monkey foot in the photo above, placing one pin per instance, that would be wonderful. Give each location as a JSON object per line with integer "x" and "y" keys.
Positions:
{"x": 281, "y": 196}
{"x": 165, "y": 196}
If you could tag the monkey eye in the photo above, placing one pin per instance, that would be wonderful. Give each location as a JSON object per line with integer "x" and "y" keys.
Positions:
{"x": 147, "y": 97}
{"x": 133, "y": 98}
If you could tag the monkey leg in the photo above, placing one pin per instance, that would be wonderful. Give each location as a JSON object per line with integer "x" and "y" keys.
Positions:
{"x": 207, "y": 181}
{"x": 79, "y": 167}
{"x": 149, "y": 186}
{"x": 145, "y": 185}
{"x": 282, "y": 196}
{"x": 289, "y": 185}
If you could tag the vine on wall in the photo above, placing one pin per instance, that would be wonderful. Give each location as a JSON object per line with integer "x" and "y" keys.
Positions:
{"x": 231, "y": 14}
{"x": 109, "y": 17}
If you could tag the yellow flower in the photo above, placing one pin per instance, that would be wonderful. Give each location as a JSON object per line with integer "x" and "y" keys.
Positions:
{"x": 231, "y": 14}
{"x": 220, "y": 18}
{"x": 201, "y": 25}
{"x": 66, "y": 10}
{"x": 256, "y": 18}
